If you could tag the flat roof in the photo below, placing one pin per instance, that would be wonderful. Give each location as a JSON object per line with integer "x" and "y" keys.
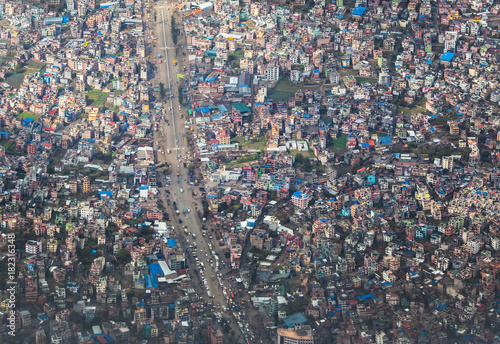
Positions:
{"x": 294, "y": 334}
{"x": 447, "y": 57}
{"x": 358, "y": 11}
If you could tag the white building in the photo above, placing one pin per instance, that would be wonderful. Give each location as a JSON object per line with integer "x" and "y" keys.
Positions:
{"x": 273, "y": 73}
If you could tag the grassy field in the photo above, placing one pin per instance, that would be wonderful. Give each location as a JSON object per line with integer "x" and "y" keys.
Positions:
{"x": 245, "y": 159}
{"x": 362, "y": 80}
{"x": 16, "y": 79}
{"x": 306, "y": 154}
{"x": 340, "y": 143}
{"x": 96, "y": 97}
{"x": 252, "y": 144}
{"x": 419, "y": 107}
{"x": 344, "y": 72}
{"x": 26, "y": 114}
{"x": 410, "y": 112}
{"x": 284, "y": 90}
{"x": 9, "y": 146}
{"x": 33, "y": 66}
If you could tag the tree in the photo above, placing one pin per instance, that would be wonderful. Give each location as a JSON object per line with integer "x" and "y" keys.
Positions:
{"x": 163, "y": 93}
{"x": 174, "y": 31}
{"x": 181, "y": 96}
{"x": 84, "y": 254}
{"x": 123, "y": 256}
{"x": 299, "y": 158}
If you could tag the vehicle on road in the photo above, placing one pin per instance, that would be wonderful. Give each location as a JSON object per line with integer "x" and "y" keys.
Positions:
{"x": 184, "y": 211}
{"x": 181, "y": 190}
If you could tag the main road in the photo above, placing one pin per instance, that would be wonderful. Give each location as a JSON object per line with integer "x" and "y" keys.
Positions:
{"x": 172, "y": 136}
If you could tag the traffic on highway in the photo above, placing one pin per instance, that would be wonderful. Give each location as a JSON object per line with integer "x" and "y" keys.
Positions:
{"x": 206, "y": 264}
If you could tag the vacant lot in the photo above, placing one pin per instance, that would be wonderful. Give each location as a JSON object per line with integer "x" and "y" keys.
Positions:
{"x": 339, "y": 144}
{"x": 96, "y": 98}
{"x": 306, "y": 154}
{"x": 252, "y": 144}
{"x": 9, "y": 146}
{"x": 284, "y": 90}
{"x": 26, "y": 114}
{"x": 362, "y": 80}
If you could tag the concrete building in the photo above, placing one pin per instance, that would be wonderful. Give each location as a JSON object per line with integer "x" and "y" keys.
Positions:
{"x": 299, "y": 335}
{"x": 216, "y": 335}
{"x": 300, "y": 199}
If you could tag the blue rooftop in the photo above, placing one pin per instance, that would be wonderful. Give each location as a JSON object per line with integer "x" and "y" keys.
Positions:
{"x": 151, "y": 281}
{"x": 295, "y": 319}
{"x": 105, "y": 194}
{"x": 155, "y": 269}
{"x": 358, "y": 11}
{"x": 297, "y": 194}
{"x": 385, "y": 140}
{"x": 171, "y": 242}
{"x": 447, "y": 57}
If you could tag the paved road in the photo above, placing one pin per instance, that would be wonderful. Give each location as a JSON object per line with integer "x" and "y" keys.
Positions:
{"x": 173, "y": 137}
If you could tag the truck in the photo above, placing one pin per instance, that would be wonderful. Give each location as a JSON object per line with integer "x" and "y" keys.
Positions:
{"x": 175, "y": 63}
{"x": 169, "y": 151}
{"x": 175, "y": 205}
{"x": 186, "y": 231}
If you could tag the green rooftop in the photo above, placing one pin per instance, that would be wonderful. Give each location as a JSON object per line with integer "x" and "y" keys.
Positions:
{"x": 241, "y": 107}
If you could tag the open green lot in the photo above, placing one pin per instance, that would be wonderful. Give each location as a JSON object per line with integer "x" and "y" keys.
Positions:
{"x": 34, "y": 66}
{"x": 418, "y": 107}
{"x": 245, "y": 159}
{"x": 96, "y": 97}
{"x": 16, "y": 79}
{"x": 362, "y": 80}
{"x": 306, "y": 154}
{"x": 253, "y": 144}
{"x": 27, "y": 114}
{"x": 344, "y": 72}
{"x": 284, "y": 90}
{"x": 339, "y": 143}
{"x": 9, "y": 146}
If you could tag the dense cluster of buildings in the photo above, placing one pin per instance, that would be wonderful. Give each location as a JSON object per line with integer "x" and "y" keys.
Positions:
{"x": 347, "y": 154}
